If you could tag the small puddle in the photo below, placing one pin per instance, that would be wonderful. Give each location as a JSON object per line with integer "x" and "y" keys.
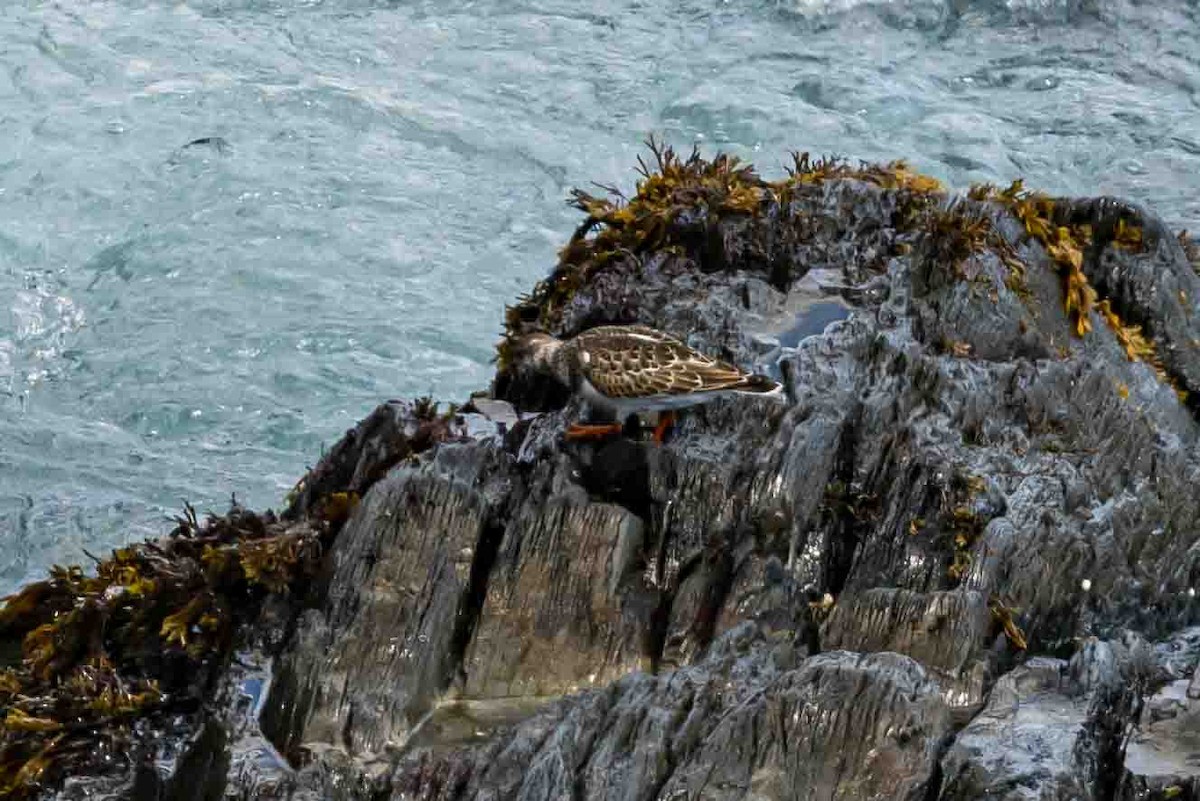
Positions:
{"x": 812, "y": 321}
{"x": 812, "y": 305}
{"x": 253, "y": 757}
{"x": 456, "y": 723}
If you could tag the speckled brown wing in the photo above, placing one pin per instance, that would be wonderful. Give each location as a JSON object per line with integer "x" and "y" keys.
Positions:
{"x": 636, "y": 362}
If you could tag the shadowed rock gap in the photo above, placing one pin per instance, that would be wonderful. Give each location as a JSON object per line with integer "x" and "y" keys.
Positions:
{"x": 847, "y": 502}
{"x": 481, "y": 567}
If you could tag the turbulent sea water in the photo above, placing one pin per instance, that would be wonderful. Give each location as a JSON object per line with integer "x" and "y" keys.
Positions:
{"x": 370, "y": 182}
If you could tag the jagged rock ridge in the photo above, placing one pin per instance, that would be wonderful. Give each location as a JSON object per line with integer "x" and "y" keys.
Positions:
{"x": 939, "y": 571}
{"x": 983, "y": 460}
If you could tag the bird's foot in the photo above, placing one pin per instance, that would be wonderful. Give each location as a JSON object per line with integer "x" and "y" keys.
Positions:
{"x": 579, "y": 432}
{"x": 666, "y": 420}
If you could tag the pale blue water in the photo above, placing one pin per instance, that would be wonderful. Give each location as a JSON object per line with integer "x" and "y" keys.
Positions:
{"x": 189, "y": 322}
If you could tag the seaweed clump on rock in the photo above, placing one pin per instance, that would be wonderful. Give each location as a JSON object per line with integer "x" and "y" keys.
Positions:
{"x": 1066, "y": 240}
{"x": 141, "y": 639}
{"x": 104, "y": 666}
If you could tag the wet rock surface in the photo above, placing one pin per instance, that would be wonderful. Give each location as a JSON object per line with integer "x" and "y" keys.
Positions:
{"x": 1162, "y": 755}
{"x": 753, "y": 718}
{"x": 946, "y": 631}
{"x": 932, "y": 573}
{"x": 1051, "y": 728}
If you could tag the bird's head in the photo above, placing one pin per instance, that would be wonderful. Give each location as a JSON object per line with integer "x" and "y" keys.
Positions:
{"x": 539, "y": 352}
{"x": 531, "y": 372}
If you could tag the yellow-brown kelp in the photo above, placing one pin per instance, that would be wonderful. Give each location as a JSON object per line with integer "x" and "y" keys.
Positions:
{"x": 1005, "y": 618}
{"x": 145, "y": 635}
{"x": 674, "y": 195}
{"x": 963, "y": 522}
{"x": 1066, "y": 244}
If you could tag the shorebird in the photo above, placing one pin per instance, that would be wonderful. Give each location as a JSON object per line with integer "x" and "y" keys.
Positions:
{"x": 626, "y": 369}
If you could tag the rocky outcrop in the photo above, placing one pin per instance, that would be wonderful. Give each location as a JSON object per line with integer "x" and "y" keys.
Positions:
{"x": 1051, "y": 728}
{"x": 932, "y": 573}
{"x": 970, "y": 469}
{"x": 751, "y": 718}
{"x": 1162, "y": 755}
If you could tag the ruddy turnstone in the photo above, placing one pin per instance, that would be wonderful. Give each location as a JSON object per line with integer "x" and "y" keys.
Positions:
{"x": 625, "y": 369}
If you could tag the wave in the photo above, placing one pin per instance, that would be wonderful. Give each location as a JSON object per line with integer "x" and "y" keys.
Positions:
{"x": 949, "y": 14}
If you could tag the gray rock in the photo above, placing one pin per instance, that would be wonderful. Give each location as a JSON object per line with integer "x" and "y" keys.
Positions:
{"x": 403, "y": 596}
{"x": 1050, "y": 730}
{"x": 783, "y": 601}
{"x": 949, "y": 449}
{"x": 842, "y": 725}
{"x": 739, "y": 724}
{"x": 1162, "y": 755}
{"x": 946, "y": 631}
{"x": 567, "y": 606}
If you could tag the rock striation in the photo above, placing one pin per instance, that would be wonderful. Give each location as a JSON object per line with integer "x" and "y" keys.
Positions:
{"x": 972, "y": 468}
{"x": 960, "y": 562}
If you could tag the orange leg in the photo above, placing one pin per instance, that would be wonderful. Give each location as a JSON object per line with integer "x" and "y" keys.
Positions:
{"x": 666, "y": 419}
{"x": 579, "y": 432}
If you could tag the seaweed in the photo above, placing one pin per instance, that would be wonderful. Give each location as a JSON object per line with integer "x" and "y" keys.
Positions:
{"x": 963, "y": 522}
{"x": 916, "y": 192}
{"x": 1128, "y": 236}
{"x": 141, "y": 639}
{"x": 956, "y": 233}
{"x": 807, "y": 171}
{"x": 895, "y": 175}
{"x": 962, "y": 229}
{"x": 1138, "y": 347}
{"x": 966, "y": 525}
{"x": 1066, "y": 245}
{"x": 1004, "y": 615}
{"x": 676, "y": 207}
